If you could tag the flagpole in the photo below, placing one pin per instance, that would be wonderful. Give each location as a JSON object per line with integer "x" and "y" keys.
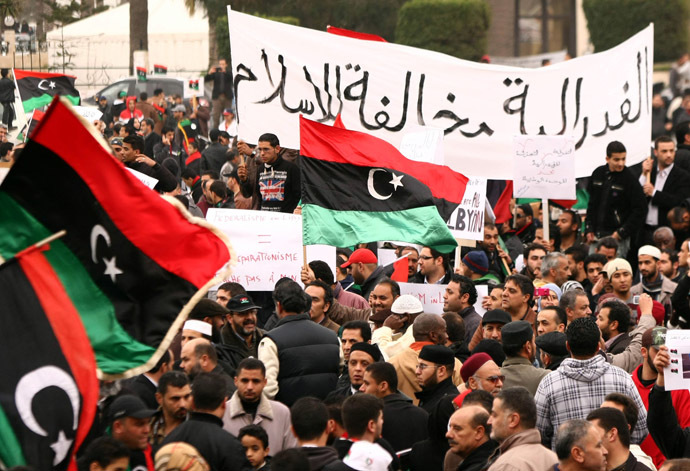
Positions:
{"x": 545, "y": 218}
{"x": 37, "y": 245}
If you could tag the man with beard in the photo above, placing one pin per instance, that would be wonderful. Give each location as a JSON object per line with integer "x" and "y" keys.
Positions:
{"x": 460, "y": 297}
{"x": 613, "y": 321}
{"x": 173, "y": 396}
{"x": 493, "y": 251}
{"x": 200, "y": 356}
{"x": 435, "y": 375}
{"x": 240, "y": 335}
{"x": 365, "y": 270}
{"x": 533, "y": 256}
{"x": 250, "y": 406}
{"x": 652, "y": 281}
{"x": 520, "y": 349}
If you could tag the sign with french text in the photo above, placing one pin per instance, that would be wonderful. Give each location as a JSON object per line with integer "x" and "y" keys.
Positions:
{"x": 268, "y": 246}
{"x": 282, "y": 72}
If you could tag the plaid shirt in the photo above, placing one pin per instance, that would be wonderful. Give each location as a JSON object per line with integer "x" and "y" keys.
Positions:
{"x": 578, "y": 387}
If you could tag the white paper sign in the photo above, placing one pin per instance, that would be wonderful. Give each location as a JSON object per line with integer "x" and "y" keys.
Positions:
{"x": 425, "y": 145}
{"x": 88, "y": 113}
{"x": 544, "y": 167}
{"x": 189, "y": 87}
{"x": 467, "y": 221}
{"x": 431, "y": 296}
{"x": 143, "y": 178}
{"x": 283, "y": 71}
{"x": 268, "y": 246}
{"x": 677, "y": 375}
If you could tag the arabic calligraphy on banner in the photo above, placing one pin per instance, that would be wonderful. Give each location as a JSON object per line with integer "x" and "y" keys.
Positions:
{"x": 282, "y": 71}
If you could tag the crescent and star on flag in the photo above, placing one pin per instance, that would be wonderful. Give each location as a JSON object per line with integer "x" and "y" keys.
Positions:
{"x": 43, "y": 86}
{"x": 36, "y": 381}
{"x": 396, "y": 181}
{"x": 111, "y": 268}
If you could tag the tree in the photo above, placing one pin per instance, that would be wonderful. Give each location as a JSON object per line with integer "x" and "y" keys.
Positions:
{"x": 138, "y": 28}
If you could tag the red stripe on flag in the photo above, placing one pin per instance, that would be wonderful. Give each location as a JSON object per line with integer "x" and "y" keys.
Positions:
{"x": 20, "y": 74}
{"x": 339, "y": 122}
{"x": 400, "y": 271}
{"x": 332, "y": 144}
{"x": 69, "y": 331}
{"x": 157, "y": 229}
{"x": 565, "y": 203}
{"x": 502, "y": 208}
{"x": 354, "y": 34}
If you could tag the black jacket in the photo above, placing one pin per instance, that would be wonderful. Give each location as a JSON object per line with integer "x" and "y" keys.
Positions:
{"x": 205, "y": 432}
{"x": 6, "y": 90}
{"x": 222, "y": 83}
{"x": 142, "y": 387}
{"x": 477, "y": 460}
{"x": 662, "y": 421}
{"x": 320, "y": 456}
{"x": 166, "y": 180}
{"x": 235, "y": 348}
{"x": 213, "y": 157}
{"x": 616, "y": 203}
{"x": 428, "y": 398}
{"x": 309, "y": 357}
{"x": 370, "y": 283}
{"x": 404, "y": 424}
{"x": 675, "y": 190}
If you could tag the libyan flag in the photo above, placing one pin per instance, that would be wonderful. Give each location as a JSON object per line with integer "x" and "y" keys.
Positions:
{"x": 37, "y": 89}
{"x": 132, "y": 263}
{"x": 357, "y": 188}
{"x": 49, "y": 389}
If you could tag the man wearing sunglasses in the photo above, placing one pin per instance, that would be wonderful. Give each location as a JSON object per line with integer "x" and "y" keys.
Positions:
{"x": 480, "y": 372}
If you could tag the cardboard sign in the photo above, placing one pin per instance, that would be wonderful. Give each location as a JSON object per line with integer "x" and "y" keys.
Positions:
{"x": 143, "y": 178}
{"x": 88, "y": 113}
{"x": 268, "y": 246}
{"x": 193, "y": 87}
{"x": 431, "y": 296}
{"x": 677, "y": 374}
{"x": 467, "y": 221}
{"x": 424, "y": 145}
{"x": 544, "y": 167}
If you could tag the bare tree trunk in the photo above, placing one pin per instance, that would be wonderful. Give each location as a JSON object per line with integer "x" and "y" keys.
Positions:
{"x": 138, "y": 28}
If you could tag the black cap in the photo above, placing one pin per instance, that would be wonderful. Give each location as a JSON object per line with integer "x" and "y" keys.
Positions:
{"x": 496, "y": 315}
{"x": 367, "y": 348}
{"x": 516, "y": 333}
{"x": 241, "y": 303}
{"x": 207, "y": 308}
{"x": 129, "y": 406}
{"x": 437, "y": 354}
{"x": 553, "y": 343}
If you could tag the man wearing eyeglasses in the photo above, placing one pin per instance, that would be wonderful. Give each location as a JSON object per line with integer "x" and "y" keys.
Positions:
{"x": 520, "y": 350}
{"x": 435, "y": 375}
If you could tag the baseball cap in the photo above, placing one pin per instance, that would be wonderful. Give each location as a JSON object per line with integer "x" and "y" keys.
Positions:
{"x": 129, "y": 405}
{"x": 360, "y": 256}
{"x": 241, "y": 303}
{"x": 407, "y": 304}
{"x": 617, "y": 264}
{"x": 227, "y": 111}
{"x": 116, "y": 141}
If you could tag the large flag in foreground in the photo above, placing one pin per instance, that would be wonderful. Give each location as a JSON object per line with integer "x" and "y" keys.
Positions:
{"x": 49, "y": 388}
{"x": 37, "y": 89}
{"x": 132, "y": 264}
{"x": 357, "y": 188}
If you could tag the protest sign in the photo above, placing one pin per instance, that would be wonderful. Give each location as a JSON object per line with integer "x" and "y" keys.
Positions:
{"x": 268, "y": 246}
{"x": 143, "y": 178}
{"x": 283, "y": 71}
{"x": 467, "y": 221}
{"x": 431, "y": 296}
{"x": 88, "y": 113}
{"x": 544, "y": 167}
{"x": 424, "y": 145}
{"x": 193, "y": 87}
{"x": 677, "y": 374}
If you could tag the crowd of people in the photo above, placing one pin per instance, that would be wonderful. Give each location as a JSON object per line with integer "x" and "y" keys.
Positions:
{"x": 562, "y": 370}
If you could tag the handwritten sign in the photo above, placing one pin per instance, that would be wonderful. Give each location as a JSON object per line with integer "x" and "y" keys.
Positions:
{"x": 425, "y": 145}
{"x": 88, "y": 113}
{"x": 431, "y": 296}
{"x": 283, "y": 71}
{"x": 268, "y": 246}
{"x": 143, "y": 178}
{"x": 544, "y": 167}
{"x": 467, "y": 221}
{"x": 677, "y": 374}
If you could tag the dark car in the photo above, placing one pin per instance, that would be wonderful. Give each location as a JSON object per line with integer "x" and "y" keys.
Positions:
{"x": 133, "y": 87}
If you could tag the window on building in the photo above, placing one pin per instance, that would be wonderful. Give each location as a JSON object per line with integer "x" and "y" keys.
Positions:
{"x": 544, "y": 26}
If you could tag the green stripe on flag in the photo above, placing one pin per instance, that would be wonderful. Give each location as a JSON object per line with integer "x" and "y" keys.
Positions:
{"x": 116, "y": 351}
{"x": 10, "y": 448}
{"x": 345, "y": 228}
{"x": 43, "y": 100}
